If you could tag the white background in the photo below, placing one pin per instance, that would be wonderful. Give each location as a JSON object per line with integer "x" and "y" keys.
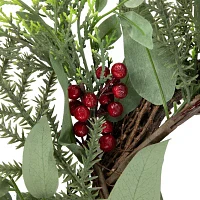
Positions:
{"x": 180, "y": 174}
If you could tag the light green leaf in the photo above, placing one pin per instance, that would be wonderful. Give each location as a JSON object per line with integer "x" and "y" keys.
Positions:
{"x": 67, "y": 136}
{"x": 6, "y": 197}
{"x": 39, "y": 166}
{"x": 109, "y": 26}
{"x": 133, "y": 3}
{"x": 130, "y": 102}
{"x": 141, "y": 71}
{"x": 141, "y": 178}
{"x": 100, "y": 5}
{"x": 4, "y": 186}
{"x": 138, "y": 28}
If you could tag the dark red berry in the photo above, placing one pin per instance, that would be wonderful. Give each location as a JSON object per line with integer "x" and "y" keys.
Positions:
{"x": 119, "y": 70}
{"x": 82, "y": 113}
{"x": 107, "y": 127}
{"x": 74, "y": 92}
{"x": 115, "y": 109}
{"x": 105, "y": 99}
{"x": 120, "y": 90}
{"x": 89, "y": 100}
{"x": 73, "y": 104}
{"x": 98, "y": 72}
{"x": 107, "y": 143}
{"x": 80, "y": 129}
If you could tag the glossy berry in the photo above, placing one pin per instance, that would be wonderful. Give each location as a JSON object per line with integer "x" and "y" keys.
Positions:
{"x": 107, "y": 127}
{"x": 119, "y": 70}
{"x": 107, "y": 143}
{"x": 73, "y": 104}
{"x": 89, "y": 100}
{"x": 106, "y": 99}
{"x": 74, "y": 92}
{"x": 82, "y": 113}
{"x": 120, "y": 90}
{"x": 115, "y": 109}
{"x": 80, "y": 129}
{"x": 98, "y": 72}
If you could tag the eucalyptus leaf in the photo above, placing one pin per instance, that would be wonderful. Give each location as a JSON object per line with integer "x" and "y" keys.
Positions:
{"x": 109, "y": 26}
{"x": 141, "y": 178}
{"x": 138, "y": 28}
{"x": 4, "y": 186}
{"x": 39, "y": 166}
{"x": 130, "y": 102}
{"x": 67, "y": 136}
{"x": 7, "y": 196}
{"x": 142, "y": 74}
{"x": 133, "y": 3}
{"x": 100, "y": 5}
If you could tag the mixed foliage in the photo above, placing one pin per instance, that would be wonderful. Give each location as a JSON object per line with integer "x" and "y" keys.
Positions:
{"x": 39, "y": 50}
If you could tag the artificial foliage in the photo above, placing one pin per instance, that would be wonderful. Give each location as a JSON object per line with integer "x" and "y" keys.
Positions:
{"x": 39, "y": 51}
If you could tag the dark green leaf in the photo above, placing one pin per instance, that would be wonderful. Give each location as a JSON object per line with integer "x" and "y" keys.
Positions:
{"x": 100, "y": 5}
{"x": 161, "y": 197}
{"x": 141, "y": 72}
{"x": 26, "y": 196}
{"x": 133, "y": 3}
{"x": 130, "y": 102}
{"x": 28, "y": 16}
{"x": 141, "y": 178}
{"x": 67, "y": 135}
{"x": 109, "y": 26}
{"x": 6, "y": 197}
{"x": 138, "y": 28}
{"x": 77, "y": 151}
{"x": 4, "y": 186}
{"x": 39, "y": 166}
{"x": 197, "y": 20}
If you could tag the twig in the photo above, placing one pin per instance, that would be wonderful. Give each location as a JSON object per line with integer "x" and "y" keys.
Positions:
{"x": 169, "y": 126}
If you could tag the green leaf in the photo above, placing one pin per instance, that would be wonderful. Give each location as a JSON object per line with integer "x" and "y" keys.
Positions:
{"x": 141, "y": 178}
{"x": 4, "y": 186}
{"x": 109, "y": 26}
{"x": 100, "y": 5}
{"x": 130, "y": 102}
{"x": 141, "y": 72}
{"x": 39, "y": 166}
{"x": 138, "y": 28}
{"x": 78, "y": 151}
{"x": 67, "y": 136}
{"x": 6, "y": 197}
{"x": 133, "y": 3}
{"x": 161, "y": 197}
{"x": 197, "y": 20}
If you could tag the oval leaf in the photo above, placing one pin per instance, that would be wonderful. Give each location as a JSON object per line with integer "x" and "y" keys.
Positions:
{"x": 4, "y": 186}
{"x": 141, "y": 72}
{"x": 130, "y": 102}
{"x": 133, "y": 3}
{"x": 109, "y": 27}
{"x": 39, "y": 166}
{"x": 100, "y": 5}
{"x": 141, "y": 178}
{"x": 138, "y": 28}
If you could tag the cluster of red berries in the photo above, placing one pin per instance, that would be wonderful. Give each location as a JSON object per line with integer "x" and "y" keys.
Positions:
{"x": 80, "y": 109}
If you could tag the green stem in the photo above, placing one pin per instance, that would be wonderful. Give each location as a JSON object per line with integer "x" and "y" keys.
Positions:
{"x": 159, "y": 85}
{"x": 16, "y": 188}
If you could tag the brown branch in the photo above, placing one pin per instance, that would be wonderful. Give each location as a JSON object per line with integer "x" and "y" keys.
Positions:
{"x": 170, "y": 125}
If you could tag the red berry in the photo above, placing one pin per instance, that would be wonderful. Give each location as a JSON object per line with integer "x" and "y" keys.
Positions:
{"x": 74, "y": 92}
{"x": 119, "y": 70}
{"x": 107, "y": 127}
{"x": 105, "y": 99}
{"x": 107, "y": 143}
{"x": 98, "y": 72}
{"x": 80, "y": 129}
{"x": 120, "y": 90}
{"x": 82, "y": 113}
{"x": 89, "y": 100}
{"x": 115, "y": 109}
{"x": 73, "y": 104}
